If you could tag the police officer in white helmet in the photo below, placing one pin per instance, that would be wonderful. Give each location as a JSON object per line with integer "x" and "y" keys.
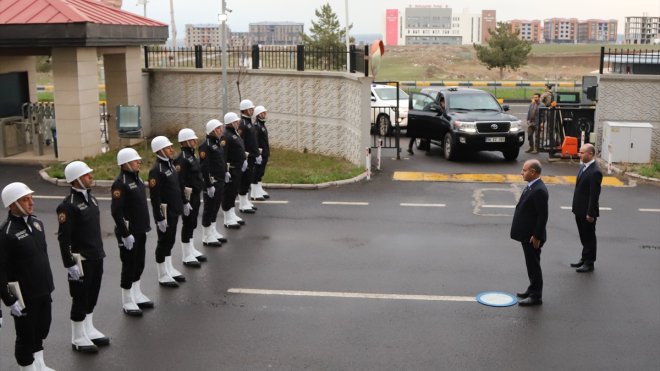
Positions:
{"x": 81, "y": 246}
{"x": 237, "y": 165}
{"x": 247, "y": 130}
{"x": 214, "y": 173}
{"x": 24, "y": 263}
{"x": 257, "y": 191}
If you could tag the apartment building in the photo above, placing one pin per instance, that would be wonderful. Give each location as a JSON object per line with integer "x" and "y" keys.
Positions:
{"x": 560, "y": 30}
{"x": 531, "y": 31}
{"x": 642, "y": 30}
{"x": 276, "y": 33}
{"x": 597, "y": 31}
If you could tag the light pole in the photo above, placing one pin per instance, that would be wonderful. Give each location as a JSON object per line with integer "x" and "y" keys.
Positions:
{"x": 144, "y": 4}
{"x": 348, "y": 46}
{"x": 223, "y": 53}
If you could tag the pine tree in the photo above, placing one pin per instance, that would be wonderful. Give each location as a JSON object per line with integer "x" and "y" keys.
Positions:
{"x": 326, "y": 31}
{"x": 505, "y": 49}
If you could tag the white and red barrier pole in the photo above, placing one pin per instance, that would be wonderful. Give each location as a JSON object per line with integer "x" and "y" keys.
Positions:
{"x": 368, "y": 163}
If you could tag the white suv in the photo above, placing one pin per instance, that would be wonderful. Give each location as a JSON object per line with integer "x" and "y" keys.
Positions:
{"x": 384, "y": 106}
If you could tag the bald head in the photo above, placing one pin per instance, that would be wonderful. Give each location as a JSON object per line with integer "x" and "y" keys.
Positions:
{"x": 531, "y": 170}
{"x": 587, "y": 152}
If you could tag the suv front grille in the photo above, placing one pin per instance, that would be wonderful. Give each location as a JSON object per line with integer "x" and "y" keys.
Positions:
{"x": 493, "y": 127}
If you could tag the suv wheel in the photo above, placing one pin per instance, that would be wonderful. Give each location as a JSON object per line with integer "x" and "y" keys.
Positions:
{"x": 448, "y": 147}
{"x": 384, "y": 125}
{"x": 511, "y": 154}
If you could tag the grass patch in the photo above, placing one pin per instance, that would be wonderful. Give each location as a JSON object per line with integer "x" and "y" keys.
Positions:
{"x": 47, "y": 96}
{"x": 651, "y": 170}
{"x": 284, "y": 166}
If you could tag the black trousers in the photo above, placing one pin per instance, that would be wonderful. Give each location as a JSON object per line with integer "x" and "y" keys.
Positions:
{"x": 166, "y": 239}
{"x": 533, "y": 263}
{"x": 246, "y": 178}
{"x": 32, "y": 329}
{"x": 212, "y": 205}
{"x": 231, "y": 189}
{"x": 587, "y": 233}
{"x": 132, "y": 261}
{"x": 259, "y": 170}
{"x": 189, "y": 223}
{"x": 85, "y": 291}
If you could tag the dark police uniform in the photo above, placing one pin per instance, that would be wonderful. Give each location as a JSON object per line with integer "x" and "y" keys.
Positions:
{"x": 262, "y": 141}
{"x": 190, "y": 175}
{"x": 164, "y": 189}
{"x": 249, "y": 134}
{"x": 24, "y": 259}
{"x": 214, "y": 167}
{"x": 235, "y": 155}
{"x": 131, "y": 214}
{"x": 80, "y": 232}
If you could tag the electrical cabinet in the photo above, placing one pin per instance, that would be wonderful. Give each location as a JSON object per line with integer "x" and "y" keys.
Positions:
{"x": 628, "y": 142}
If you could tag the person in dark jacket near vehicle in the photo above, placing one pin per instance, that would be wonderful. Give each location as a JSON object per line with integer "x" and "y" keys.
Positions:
{"x": 167, "y": 206}
{"x": 191, "y": 184}
{"x": 529, "y": 228}
{"x": 130, "y": 212}
{"x": 214, "y": 173}
{"x": 256, "y": 189}
{"x": 24, "y": 263}
{"x": 81, "y": 246}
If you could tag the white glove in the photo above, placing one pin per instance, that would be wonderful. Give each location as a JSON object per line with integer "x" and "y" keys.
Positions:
{"x": 16, "y": 309}
{"x": 128, "y": 241}
{"x": 187, "y": 208}
{"x": 258, "y": 160}
{"x": 74, "y": 272}
{"x": 227, "y": 177}
{"x": 162, "y": 225}
{"x": 210, "y": 191}
{"x": 0, "y": 322}
{"x": 244, "y": 167}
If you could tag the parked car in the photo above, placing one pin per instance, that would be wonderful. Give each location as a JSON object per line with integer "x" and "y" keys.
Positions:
{"x": 384, "y": 105}
{"x": 463, "y": 119}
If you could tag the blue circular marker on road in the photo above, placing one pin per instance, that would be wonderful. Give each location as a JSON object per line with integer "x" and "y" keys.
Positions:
{"x": 496, "y": 299}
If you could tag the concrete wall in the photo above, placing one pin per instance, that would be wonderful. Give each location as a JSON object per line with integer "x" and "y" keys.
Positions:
{"x": 632, "y": 98}
{"x": 321, "y": 112}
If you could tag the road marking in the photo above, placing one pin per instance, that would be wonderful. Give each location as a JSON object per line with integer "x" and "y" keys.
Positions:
{"x": 413, "y": 176}
{"x": 422, "y": 205}
{"x": 270, "y": 202}
{"x": 345, "y": 203}
{"x": 650, "y": 210}
{"x": 353, "y": 295}
{"x": 498, "y": 206}
{"x": 600, "y": 208}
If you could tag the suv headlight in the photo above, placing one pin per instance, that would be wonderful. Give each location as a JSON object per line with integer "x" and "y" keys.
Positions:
{"x": 465, "y": 126}
{"x": 515, "y": 126}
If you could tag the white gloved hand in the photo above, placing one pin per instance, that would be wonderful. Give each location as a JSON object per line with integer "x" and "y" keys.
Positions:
{"x": 210, "y": 191}
{"x": 16, "y": 309}
{"x": 258, "y": 160}
{"x": 162, "y": 225}
{"x": 187, "y": 208}
{"x": 74, "y": 272}
{"x": 227, "y": 177}
{"x": 244, "y": 167}
{"x": 128, "y": 241}
{"x": 0, "y": 322}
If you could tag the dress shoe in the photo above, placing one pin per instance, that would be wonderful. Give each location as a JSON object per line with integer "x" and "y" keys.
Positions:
{"x": 577, "y": 265}
{"x": 410, "y": 152}
{"x": 529, "y": 150}
{"x": 530, "y": 302}
{"x": 585, "y": 268}
{"x": 523, "y": 295}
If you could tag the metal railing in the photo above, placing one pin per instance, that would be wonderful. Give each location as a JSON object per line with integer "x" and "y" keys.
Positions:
{"x": 629, "y": 61}
{"x": 285, "y": 57}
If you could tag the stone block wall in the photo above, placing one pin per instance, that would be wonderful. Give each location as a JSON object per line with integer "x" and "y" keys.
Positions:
{"x": 630, "y": 98}
{"x": 320, "y": 112}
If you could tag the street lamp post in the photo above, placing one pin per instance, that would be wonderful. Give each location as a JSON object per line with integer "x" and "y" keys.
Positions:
{"x": 223, "y": 53}
{"x": 348, "y": 46}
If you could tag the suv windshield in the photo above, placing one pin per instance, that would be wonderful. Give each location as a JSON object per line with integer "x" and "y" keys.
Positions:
{"x": 473, "y": 102}
{"x": 389, "y": 93}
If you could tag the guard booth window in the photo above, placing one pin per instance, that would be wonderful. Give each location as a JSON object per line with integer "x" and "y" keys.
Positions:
{"x": 129, "y": 123}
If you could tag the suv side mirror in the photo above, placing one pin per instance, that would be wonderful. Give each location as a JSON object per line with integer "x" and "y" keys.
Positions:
{"x": 506, "y": 107}
{"x": 373, "y": 99}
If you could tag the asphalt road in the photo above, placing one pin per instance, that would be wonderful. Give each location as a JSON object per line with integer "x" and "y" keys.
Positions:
{"x": 335, "y": 245}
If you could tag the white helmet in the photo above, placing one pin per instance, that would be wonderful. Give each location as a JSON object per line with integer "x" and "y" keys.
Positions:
{"x": 75, "y": 170}
{"x": 230, "y": 118}
{"x": 259, "y": 110}
{"x": 186, "y": 134}
{"x": 212, "y": 125}
{"x": 13, "y": 192}
{"x": 245, "y": 104}
{"x": 159, "y": 143}
{"x": 126, "y": 155}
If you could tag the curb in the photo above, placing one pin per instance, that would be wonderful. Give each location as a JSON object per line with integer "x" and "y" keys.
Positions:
{"x": 630, "y": 173}
{"x": 108, "y": 183}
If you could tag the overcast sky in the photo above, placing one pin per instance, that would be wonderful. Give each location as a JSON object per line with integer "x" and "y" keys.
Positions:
{"x": 368, "y": 16}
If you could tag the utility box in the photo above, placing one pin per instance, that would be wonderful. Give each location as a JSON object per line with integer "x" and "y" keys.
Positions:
{"x": 628, "y": 142}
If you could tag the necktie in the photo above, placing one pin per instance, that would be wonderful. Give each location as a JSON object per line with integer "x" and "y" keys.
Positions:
{"x": 582, "y": 167}
{"x": 524, "y": 191}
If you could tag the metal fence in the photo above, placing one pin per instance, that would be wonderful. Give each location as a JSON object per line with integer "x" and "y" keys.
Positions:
{"x": 284, "y": 57}
{"x": 630, "y": 61}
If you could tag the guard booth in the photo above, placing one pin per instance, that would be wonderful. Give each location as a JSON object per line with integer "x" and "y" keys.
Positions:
{"x": 129, "y": 122}
{"x": 567, "y": 124}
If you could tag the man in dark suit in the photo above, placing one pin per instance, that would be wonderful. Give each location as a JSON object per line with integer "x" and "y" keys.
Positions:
{"x": 528, "y": 227}
{"x": 585, "y": 206}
